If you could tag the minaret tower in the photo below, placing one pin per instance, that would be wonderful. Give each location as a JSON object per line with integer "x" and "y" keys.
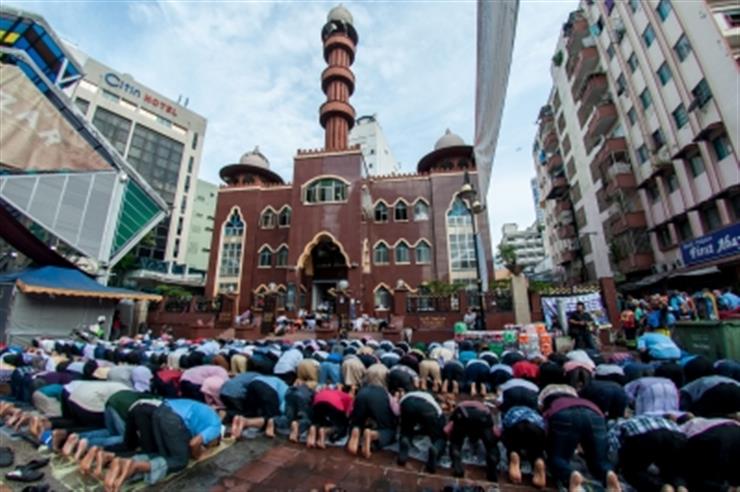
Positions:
{"x": 337, "y": 115}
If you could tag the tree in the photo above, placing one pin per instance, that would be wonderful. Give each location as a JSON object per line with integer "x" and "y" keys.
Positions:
{"x": 508, "y": 255}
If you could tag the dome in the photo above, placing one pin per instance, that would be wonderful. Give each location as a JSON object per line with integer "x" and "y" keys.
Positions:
{"x": 255, "y": 158}
{"x": 449, "y": 139}
{"x": 339, "y": 14}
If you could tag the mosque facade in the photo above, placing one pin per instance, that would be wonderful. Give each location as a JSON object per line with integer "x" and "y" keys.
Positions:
{"x": 335, "y": 229}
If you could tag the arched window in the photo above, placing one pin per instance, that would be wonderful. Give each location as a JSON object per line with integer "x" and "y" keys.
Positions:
{"x": 461, "y": 242}
{"x": 230, "y": 261}
{"x": 326, "y": 190}
{"x": 381, "y": 212}
{"x": 459, "y": 215}
{"x": 423, "y": 253}
{"x": 265, "y": 257}
{"x": 382, "y": 298}
{"x": 284, "y": 217}
{"x": 267, "y": 220}
{"x": 402, "y": 252}
{"x": 281, "y": 257}
{"x": 421, "y": 211}
{"x": 400, "y": 212}
{"x": 380, "y": 254}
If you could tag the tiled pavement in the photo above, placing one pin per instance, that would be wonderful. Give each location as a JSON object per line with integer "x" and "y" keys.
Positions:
{"x": 290, "y": 467}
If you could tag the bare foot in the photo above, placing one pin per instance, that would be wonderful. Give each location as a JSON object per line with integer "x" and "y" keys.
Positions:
{"x": 354, "y": 441}
{"x": 321, "y": 442}
{"x": 515, "y": 471}
{"x": 293, "y": 437}
{"x": 483, "y": 389}
{"x": 667, "y": 488}
{"x": 81, "y": 448}
{"x": 86, "y": 463}
{"x": 21, "y": 421}
{"x": 612, "y": 483}
{"x": 539, "y": 475}
{"x": 270, "y": 428}
{"x": 445, "y": 385}
{"x": 127, "y": 469}
{"x": 455, "y": 387}
{"x": 367, "y": 444}
{"x": 111, "y": 475}
{"x": 102, "y": 460}
{"x": 576, "y": 482}
{"x": 311, "y": 440}
{"x": 70, "y": 445}
{"x": 473, "y": 391}
{"x": 57, "y": 439}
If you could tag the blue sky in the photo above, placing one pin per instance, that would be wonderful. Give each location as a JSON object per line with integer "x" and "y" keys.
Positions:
{"x": 252, "y": 69}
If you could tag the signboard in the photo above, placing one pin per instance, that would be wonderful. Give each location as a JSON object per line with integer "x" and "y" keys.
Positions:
{"x": 117, "y": 82}
{"x": 719, "y": 244}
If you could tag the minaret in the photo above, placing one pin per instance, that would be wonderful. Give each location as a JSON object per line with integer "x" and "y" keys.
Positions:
{"x": 337, "y": 115}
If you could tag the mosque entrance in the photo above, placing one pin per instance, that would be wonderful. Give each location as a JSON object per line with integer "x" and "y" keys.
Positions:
{"x": 324, "y": 266}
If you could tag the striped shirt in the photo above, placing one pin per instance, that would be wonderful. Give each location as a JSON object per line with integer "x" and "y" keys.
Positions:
{"x": 620, "y": 429}
{"x": 653, "y": 395}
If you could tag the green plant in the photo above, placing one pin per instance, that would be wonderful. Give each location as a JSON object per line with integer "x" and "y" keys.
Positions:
{"x": 540, "y": 286}
{"x": 173, "y": 291}
{"x": 557, "y": 58}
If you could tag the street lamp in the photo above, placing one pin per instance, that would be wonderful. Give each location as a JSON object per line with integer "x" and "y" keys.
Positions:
{"x": 469, "y": 196}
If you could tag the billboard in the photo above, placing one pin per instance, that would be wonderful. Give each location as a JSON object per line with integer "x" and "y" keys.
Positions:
{"x": 719, "y": 244}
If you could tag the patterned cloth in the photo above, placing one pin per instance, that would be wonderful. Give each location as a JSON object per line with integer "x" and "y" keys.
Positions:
{"x": 516, "y": 415}
{"x": 635, "y": 426}
{"x": 653, "y": 395}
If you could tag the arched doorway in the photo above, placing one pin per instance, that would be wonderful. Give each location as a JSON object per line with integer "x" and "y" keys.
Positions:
{"x": 323, "y": 264}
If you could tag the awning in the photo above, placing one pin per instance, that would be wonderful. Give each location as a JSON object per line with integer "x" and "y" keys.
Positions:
{"x": 696, "y": 273}
{"x": 644, "y": 282}
{"x": 52, "y": 280}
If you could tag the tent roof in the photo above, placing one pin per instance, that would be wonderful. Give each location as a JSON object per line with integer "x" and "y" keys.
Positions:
{"x": 60, "y": 281}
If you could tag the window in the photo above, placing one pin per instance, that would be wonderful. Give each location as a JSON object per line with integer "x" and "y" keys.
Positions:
{"x": 195, "y": 141}
{"x": 265, "y": 258}
{"x": 381, "y": 212}
{"x": 598, "y": 27}
{"x": 459, "y": 214}
{"x": 326, "y": 190}
{"x": 634, "y": 5}
{"x": 281, "y": 258}
{"x": 664, "y": 236}
{"x": 710, "y": 217}
{"x": 462, "y": 252}
{"x": 642, "y": 154}
{"x": 267, "y": 220}
{"x": 380, "y": 254}
{"x": 696, "y": 164}
{"x": 231, "y": 251}
{"x": 632, "y": 116}
{"x": 82, "y": 104}
{"x": 664, "y": 73}
{"x": 653, "y": 192}
{"x": 735, "y": 205}
{"x": 648, "y": 35}
{"x": 632, "y": 62}
{"x": 610, "y": 51}
{"x": 190, "y": 164}
{"x": 382, "y": 298}
{"x": 284, "y": 217}
{"x": 683, "y": 228}
{"x": 110, "y": 96}
{"x": 402, "y": 252}
{"x": 400, "y": 212}
{"x": 113, "y": 127}
{"x": 701, "y": 93}
{"x": 187, "y": 184}
{"x": 423, "y": 253}
{"x": 421, "y": 211}
{"x": 621, "y": 84}
{"x": 680, "y": 116}
{"x": 721, "y": 146}
{"x": 646, "y": 99}
{"x": 664, "y": 8}
{"x": 672, "y": 182}
{"x": 732, "y": 19}
{"x": 682, "y": 47}
{"x": 658, "y": 139}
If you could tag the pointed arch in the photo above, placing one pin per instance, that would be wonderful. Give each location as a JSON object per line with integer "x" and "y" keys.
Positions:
{"x": 314, "y": 242}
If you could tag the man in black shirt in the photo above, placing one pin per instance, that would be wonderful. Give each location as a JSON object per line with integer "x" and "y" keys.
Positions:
{"x": 578, "y": 328}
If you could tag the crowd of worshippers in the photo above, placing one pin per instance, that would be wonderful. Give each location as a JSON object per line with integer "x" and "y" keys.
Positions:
{"x": 140, "y": 409}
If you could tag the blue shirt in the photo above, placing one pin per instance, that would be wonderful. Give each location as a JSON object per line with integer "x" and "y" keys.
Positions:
{"x": 658, "y": 346}
{"x": 655, "y": 319}
{"x": 199, "y": 418}
{"x": 730, "y": 300}
{"x": 466, "y": 356}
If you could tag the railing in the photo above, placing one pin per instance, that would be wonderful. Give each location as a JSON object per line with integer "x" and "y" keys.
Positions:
{"x": 431, "y": 303}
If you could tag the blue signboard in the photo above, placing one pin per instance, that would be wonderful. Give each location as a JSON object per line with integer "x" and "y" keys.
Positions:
{"x": 719, "y": 244}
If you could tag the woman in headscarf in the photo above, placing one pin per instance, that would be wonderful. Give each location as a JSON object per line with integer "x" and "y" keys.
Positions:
{"x": 353, "y": 372}
{"x": 308, "y": 372}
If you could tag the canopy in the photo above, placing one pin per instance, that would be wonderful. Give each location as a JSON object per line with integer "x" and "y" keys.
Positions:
{"x": 58, "y": 281}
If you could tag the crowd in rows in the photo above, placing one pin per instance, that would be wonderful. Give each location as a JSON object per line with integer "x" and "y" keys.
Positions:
{"x": 142, "y": 408}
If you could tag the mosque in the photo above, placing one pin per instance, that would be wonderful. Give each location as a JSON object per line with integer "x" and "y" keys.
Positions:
{"x": 334, "y": 228}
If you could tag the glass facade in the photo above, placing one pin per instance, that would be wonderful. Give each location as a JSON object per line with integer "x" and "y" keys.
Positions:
{"x": 113, "y": 127}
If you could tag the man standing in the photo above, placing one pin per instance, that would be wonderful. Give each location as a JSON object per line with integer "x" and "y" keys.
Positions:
{"x": 578, "y": 328}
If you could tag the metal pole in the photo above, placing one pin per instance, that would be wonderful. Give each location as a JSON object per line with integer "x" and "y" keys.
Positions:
{"x": 481, "y": 299}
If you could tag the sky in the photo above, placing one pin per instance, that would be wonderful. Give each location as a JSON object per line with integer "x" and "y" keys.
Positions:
{"x": 253, "y": 70}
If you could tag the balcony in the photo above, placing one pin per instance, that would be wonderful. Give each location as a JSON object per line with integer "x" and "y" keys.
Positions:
{"x": 550, "y": 141}
{"x": 566, "y": 232}
{"x": 621, "y": 222}
{"x": 586, "y": 61}
{"x": 562, "y": 205}
{"x": 557, "y": 188}
{"x": 554, "y": 163}
{"x": 592, "y": 90}
{"x": 567, "y": 256}
{"x": 565, "y": 217}
{"x": 578, "y": 31}
{"x": 546, "y": 123}
{"x": 636, "y": 263}
{"x": 613, "y": 149}
{"x": 602, "y": 119}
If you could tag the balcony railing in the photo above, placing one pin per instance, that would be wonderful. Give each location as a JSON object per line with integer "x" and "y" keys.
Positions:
{"x": 566, "y": 232}
{"x": 554, "y": 163}
{"x": 558, "y": 186}
{"x": 636, "y": 263}
{"x": 578, "y": 31}
{"x": 624, "y": 221}
{"x": 602, "y": 119}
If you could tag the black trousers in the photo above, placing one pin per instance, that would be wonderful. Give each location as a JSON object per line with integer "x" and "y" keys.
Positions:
{"x": 719, "y": 401}
{"x": 192, "y": 391}
{"x": 172, "y": 438}
{"x": 261, "y": 401}
{"x": 525, "y": 439}
{"x": 475, "y": 425}
{"x": 712, "y": 456}
{"x": 288, "y": 377}
{"x": 75, "y": 418}
{"x": 326, "y": 415}
{"x": 519, "y": 397}
{"x": 662, "y": 448}
{"x": 233, "y": 406}
{"x": 418, "y": 416}
{"x": 139, "y": 429}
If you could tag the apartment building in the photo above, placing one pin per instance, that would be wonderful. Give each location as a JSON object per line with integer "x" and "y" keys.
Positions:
{"x": 636, "y": 147}
{"x": 527, "y": 244}
{"x": 369, "y": 135}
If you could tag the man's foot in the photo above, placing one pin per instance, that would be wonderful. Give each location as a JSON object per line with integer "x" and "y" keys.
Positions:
{"x": 270, "y": 428}
{"x": 539, "y": 475}
{"x": 576, "y": 482}
{"x": 70, "y": 445}
{"x": 367, "y": 443}
{"x": 293, "y": 437}
{"x": 445, "y": 385}
{"x": 483, "y": 389}
{"x": 455, "y": 387}
{"x": 612, "y": 482}
{"x": 102, "y": 459}
{"x": 57, "y": 439}
{"x": 127, "y": 470}
{"x": 311, "y": 440}
{"x": 667, "y": 488}
{"x": 22, "y": 420}
{"x": 473, "y": 391}
{"x": 321, "y": 441}
{"x": 81, "y": 448}
{"x": 515, "y": 471}
{"x": 110, "y": 477}
{"x": 354, "y": 441}
{"x": 86, "y": 463}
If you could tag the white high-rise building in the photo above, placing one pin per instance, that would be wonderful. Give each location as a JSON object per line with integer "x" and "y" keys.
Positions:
{"x": 201, "y": 225}
{"x": 379, "y": 159}
{"x": 527, "y": 244}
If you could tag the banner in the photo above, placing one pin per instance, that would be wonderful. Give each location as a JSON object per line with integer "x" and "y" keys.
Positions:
{"x": 557, "y": 308}
{"x": 719, "y": 244}
{"x": 34, "y": 135}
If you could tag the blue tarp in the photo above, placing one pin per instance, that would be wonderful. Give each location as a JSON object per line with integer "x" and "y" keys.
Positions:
{"x": 68, "y": 281}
